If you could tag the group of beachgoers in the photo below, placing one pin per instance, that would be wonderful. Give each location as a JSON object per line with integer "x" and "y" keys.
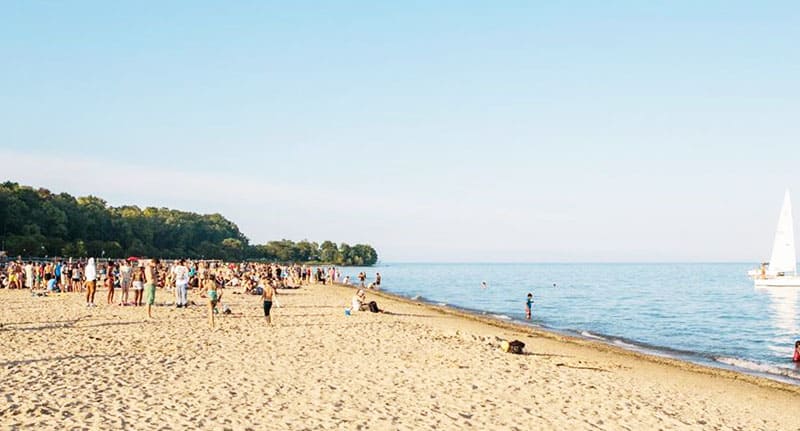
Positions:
{"x": 139, "y": 279}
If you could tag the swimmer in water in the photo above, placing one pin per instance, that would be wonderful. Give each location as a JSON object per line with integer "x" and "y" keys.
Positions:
{"x": 483, "y": 285}
{"x": 528, "y": 306}
{"x": 796, "y": 357}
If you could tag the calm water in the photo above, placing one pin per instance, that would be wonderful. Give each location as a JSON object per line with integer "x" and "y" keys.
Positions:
{"x": 707, "y": 313}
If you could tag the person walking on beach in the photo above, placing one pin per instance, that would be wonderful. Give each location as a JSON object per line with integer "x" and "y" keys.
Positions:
{"x": 90, "y": 272}
{"x": 528, "y": 306}
{"x": 151, "y": 281}
{"x": 181, "y": 273}
{"x": 266, "y": 296}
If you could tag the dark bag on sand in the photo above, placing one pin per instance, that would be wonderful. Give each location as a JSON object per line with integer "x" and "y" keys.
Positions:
{"x": 516, "y": 346}
{"x": 373, "y": 306}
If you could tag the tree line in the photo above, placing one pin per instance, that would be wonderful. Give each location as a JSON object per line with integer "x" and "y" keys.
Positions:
{"x": 37, "y": 222}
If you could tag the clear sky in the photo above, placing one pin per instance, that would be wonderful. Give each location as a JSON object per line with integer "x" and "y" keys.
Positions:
{"x": 435, "y": 131}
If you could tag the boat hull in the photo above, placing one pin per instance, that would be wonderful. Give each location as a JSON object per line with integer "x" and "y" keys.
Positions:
{"x": 778, "y": 282}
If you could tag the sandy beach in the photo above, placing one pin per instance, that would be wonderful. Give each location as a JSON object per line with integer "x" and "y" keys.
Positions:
{"x": 63, "y": 365}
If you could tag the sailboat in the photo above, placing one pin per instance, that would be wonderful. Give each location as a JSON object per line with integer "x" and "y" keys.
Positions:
{"x": 781, "y": 270}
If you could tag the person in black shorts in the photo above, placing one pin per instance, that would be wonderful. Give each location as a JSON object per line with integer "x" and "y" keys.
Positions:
{"x": 266, "y": 297}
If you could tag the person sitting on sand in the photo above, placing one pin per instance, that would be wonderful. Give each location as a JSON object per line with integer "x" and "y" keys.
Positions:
{"x": 52, "y": 285}
{"x": 360, "y": 303}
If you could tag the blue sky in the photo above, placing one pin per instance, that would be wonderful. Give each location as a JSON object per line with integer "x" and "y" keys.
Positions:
{"x": 436, "y": 131}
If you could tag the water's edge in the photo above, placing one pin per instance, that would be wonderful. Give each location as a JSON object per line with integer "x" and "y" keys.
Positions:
{"x": 683, "y": 360}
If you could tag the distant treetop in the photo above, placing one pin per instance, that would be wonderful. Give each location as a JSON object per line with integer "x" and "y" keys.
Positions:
{"x": 37, "y": 222}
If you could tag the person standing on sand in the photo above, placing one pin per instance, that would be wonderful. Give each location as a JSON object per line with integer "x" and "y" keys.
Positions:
{"x": 57, "y": 271}
{"x": 76, "y": 277}
{"x": 214, "y": 294}
{"x": 181, "y": 273}
{"x": 110, "y": 283}
{"x": 151, "y": 281}
{"x": 90, "y": 272}
{"x": 266, "y": 296}
{"x": 138, "y": 285}
{"x": 29, "y": 276}
{"x": 124, "y": 282}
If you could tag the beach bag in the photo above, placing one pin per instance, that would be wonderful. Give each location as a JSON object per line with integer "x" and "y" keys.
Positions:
{"x": 516, "y": 347}
{"x": 373, "y": 306}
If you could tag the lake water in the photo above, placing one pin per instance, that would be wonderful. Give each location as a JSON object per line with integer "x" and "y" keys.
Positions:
{"x": 705, "y": 313}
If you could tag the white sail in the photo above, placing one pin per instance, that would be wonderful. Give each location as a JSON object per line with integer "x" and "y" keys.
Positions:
{"x": 784, "y": 258}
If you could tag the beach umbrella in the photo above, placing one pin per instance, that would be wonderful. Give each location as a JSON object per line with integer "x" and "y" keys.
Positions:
{"x": 132, "y": 259}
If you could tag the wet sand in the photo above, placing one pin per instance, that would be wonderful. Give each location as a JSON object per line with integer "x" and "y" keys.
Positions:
{"x": 63, "y": 365}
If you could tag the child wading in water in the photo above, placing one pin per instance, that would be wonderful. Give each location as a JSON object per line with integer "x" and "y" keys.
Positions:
{"x": 528, "y": 306}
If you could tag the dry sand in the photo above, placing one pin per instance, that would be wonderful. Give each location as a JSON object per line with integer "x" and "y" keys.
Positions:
{"x": 65, "y": 366}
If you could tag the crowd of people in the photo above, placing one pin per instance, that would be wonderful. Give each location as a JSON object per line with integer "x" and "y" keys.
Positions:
{"x": 139, "y": 280}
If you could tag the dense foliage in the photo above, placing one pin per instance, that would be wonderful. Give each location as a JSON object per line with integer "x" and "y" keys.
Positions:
{"x": 40, "y": 223}
{"x": 304, "y": 251}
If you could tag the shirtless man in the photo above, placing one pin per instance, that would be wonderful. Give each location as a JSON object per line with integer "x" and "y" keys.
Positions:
{"x": 151, "y": 281}
{"x": 266, "y": 296}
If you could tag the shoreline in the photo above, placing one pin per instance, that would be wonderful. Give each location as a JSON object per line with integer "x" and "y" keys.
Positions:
{"x": 416, "y": 366}
{"x": 758, "y": 378}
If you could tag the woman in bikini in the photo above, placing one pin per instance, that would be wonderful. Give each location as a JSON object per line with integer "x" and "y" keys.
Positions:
{"x": 110, "y": 283}
{"x": 138, "y": 285}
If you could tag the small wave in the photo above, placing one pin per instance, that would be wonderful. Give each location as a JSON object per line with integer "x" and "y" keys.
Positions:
{"x": 416, "y": 297}
{"x": 441, "y": 304}
{"x": 588, "y": 334}
{"x": 758, "y": 367}
{"x": 501, "y": 316}
{"x": 625, "y": 345}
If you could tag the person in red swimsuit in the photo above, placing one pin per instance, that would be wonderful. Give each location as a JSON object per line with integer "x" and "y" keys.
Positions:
{"x": 796, "y": 357}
